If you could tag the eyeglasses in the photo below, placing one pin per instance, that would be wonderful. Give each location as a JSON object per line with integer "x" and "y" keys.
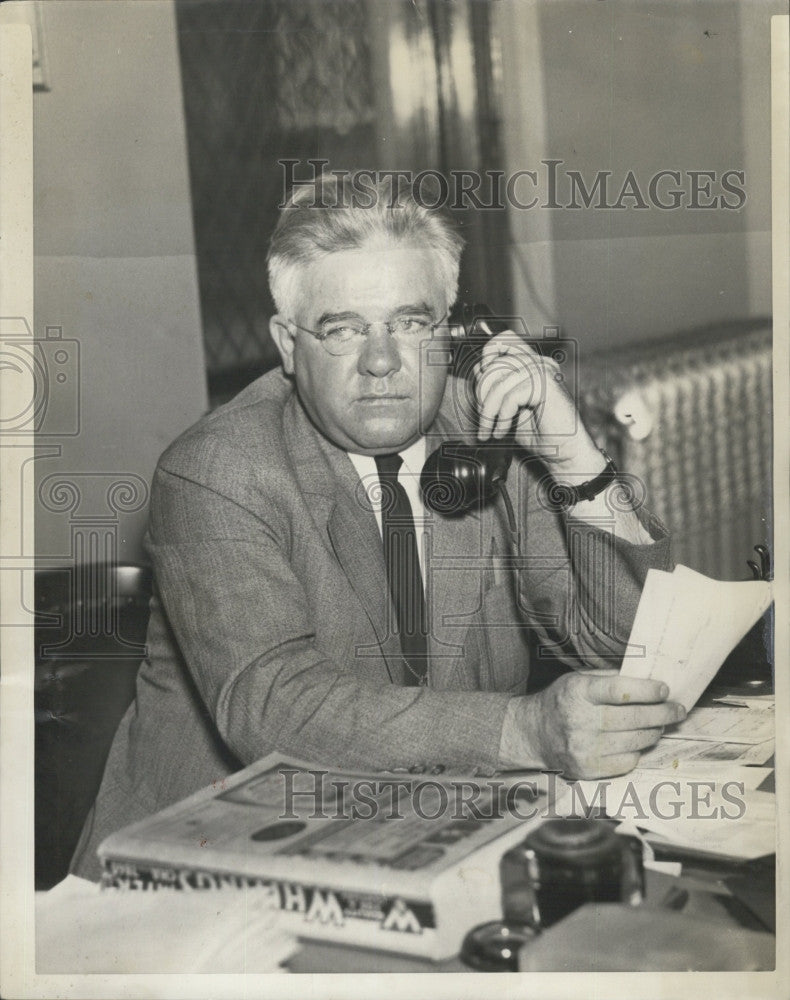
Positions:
{"x": 339, "y": 337}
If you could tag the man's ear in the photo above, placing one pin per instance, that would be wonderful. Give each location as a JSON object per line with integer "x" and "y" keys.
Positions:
{"x": 284, "y": 337}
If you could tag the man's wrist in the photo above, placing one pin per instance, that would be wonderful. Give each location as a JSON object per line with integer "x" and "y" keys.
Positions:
{"x": 518, "y": 746}
{"x": 580, "y": 469}
{"x": 565, "y": 490}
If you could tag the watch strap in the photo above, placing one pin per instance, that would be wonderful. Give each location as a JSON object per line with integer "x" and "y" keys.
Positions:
{"x": 571, "y": 495}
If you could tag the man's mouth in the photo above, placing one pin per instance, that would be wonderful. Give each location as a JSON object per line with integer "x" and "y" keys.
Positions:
{"x": 386, "y": 397}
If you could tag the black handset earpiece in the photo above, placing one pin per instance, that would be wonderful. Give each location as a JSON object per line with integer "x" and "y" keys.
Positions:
{"x": 458, "y": 476}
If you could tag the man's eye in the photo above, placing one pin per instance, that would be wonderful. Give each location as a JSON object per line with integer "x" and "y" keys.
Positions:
{"x": 340, "y": 334}
{"x": 411, "y": 325}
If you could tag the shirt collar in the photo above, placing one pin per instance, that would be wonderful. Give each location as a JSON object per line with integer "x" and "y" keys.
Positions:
{"x": 413, "y": 460}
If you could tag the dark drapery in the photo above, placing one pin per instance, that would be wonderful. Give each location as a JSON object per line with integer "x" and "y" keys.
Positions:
{"x": 358, "y": 83}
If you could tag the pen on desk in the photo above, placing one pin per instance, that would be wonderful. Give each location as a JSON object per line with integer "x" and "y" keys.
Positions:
{"x": 519, "y": 772}
{"x": 721, "y": 864}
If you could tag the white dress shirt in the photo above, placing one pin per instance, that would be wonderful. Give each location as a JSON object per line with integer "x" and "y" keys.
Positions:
{"x": 408, "y": 477}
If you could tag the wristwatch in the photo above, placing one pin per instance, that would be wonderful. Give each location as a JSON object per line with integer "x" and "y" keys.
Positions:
{"x": 565, "y": 496}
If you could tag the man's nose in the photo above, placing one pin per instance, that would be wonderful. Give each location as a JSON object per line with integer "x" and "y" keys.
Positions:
{"x": 380, "y": 355}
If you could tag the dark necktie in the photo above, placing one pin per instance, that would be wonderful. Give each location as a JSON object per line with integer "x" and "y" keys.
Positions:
{"x": 403, "y": 568}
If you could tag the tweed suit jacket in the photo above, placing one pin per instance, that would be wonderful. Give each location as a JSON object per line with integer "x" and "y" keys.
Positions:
{"x": 271, "y": 618}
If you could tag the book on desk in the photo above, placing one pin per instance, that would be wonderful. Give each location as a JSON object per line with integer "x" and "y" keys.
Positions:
{"x": 398, "y": 862}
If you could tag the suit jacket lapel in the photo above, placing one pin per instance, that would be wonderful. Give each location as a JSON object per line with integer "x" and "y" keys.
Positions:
{"x": 337, "y": 502}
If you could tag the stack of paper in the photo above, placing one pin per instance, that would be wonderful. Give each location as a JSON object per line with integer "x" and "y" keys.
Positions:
{"x": 742, "y": 732}
{"x": 747, "y": 725}
{"x": 668, "y": 753}
{"x": 82, "y": 929}
{"x": 686, "y": 625}
{"x": 718, "y": 811}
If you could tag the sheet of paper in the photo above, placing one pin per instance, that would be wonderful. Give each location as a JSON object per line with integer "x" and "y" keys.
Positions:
{"x": 715, "y": 810}
{"x": 649, "y": 623}
{"x": 739, "y": 839}
{"x": 81, "y": 928}
{"x": 724, "y": 723}
{"x": 672, "y": 753}
{"x": 686, "y": 625}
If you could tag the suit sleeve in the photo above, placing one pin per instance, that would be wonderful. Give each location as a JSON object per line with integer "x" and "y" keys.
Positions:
{"x": 242, "y": 621}
{"x": 579, "y": 584}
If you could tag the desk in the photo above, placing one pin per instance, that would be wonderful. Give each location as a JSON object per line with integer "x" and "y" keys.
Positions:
{"x": 75, "y": 943}
{"x": 709, "y": 898}
{"x": 709, "y": 902}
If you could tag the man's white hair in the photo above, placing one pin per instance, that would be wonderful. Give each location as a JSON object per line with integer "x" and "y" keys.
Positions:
{"x": 335, "y": 213}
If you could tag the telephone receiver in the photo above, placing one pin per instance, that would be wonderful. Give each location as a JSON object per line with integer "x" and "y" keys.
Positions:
{"x": 458, "y": 477}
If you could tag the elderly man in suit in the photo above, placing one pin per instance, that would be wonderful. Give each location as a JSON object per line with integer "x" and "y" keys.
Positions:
{"x": 293, "y": 612}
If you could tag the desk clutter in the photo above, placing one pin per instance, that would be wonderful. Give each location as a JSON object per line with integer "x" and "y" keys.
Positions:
{"x": 516, "y": 872}
{"x": 425, "y": 867}
{"x": 603, "y": 894}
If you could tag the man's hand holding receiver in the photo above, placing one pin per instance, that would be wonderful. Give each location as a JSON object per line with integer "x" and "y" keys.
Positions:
{"x": 518, "y": 392}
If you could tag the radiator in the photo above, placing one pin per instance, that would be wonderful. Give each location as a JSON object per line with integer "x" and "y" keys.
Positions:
{"x": 691, "y": 416}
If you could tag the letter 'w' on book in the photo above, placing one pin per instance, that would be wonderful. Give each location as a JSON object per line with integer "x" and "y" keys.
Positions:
{"x": 686, "y": 625}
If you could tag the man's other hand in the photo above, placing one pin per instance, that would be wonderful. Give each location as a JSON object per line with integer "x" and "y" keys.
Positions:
{"x": 587, "y": 724}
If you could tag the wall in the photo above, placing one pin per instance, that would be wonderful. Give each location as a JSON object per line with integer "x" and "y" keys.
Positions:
{"x": 643, "y": 86}
{"x": 115, "y": 262}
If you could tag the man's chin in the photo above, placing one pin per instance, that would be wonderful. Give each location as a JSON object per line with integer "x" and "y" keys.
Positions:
{"x": 385, "y": 436}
